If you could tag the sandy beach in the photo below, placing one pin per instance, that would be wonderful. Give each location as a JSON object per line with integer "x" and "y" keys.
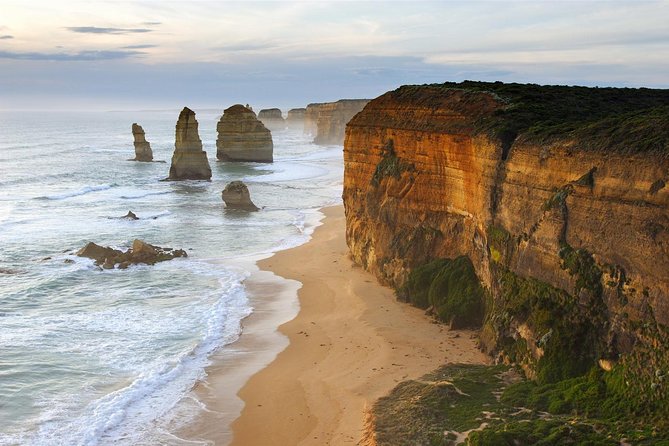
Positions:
{"x": 350, "y": 344}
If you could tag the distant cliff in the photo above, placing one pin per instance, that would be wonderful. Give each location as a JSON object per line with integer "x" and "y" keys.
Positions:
{"x": 558, "y": 197}
{"x": 327, "y": 121}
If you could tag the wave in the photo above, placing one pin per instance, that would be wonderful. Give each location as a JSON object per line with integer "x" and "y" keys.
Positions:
{"x": 83, "y": 191}
{"x": 142, "y": 195}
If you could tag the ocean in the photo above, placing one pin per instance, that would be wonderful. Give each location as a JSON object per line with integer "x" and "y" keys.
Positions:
{"x": 91, "y": 356}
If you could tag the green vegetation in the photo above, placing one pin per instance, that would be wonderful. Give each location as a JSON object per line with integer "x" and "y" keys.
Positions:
{"x": 390, "y": 165}
{"x": 625, "y": 120}
{"x": 493, "y": 405}
{"x": 450, "y": 287}
{"x": 498, "y": 242}
{"x": 580, "y": 263}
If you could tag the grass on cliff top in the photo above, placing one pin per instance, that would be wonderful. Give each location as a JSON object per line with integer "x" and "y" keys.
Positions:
{"x": 625, "y": 120}
{"x": 493, "y": 406}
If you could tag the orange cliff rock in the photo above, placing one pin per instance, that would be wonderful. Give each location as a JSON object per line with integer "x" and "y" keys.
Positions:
{"x": 428, "y": 175}
{"x": 327, "y": 121}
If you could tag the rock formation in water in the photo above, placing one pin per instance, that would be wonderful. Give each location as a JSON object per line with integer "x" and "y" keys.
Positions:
{"x": 272, "y": 118}
{"x": 295, "y": 118}
{"x": 141, "y": 252}
{"x": 142, "y": 147}
{"x": 236, "y": 196}
{"x": 553, "y": 198}
{"x": 130, "y": 216}
{"x": 327, "y": 121}
{"x": 189, "y": 161}
{"x": 242, "y": 137}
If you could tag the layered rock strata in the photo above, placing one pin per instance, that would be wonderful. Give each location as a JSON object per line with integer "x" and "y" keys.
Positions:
{"x": 272, "y": 118}
{"x": 189, "y": 161}
{"x": 242, "y": 137}
{"x": 327, "y": 121}
{"x": 236, "y": 196}
{"x": 143, "y": 150}
{"x": 572, "y": 217}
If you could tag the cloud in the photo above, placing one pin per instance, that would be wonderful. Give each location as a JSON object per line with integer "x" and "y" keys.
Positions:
{"x": 98, "y": 30}
{"x": 247, "y": 46}
{"x": 152, "y": 23}
{"x": 138, "y": 47}
{"x": 89, "y": 55}
{"x": 6, "y": 37}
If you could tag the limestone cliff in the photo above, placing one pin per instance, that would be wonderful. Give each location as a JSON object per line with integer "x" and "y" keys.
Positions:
{"x": 295, "y": 118}
{"x": 272, "y": 118}
{"x": 242, "y": 137}
{"x": 327, "y": 121}
{"x": 189, "y": 161}
{"x": 556, "y": 194}
{"x": 143, "y": 150}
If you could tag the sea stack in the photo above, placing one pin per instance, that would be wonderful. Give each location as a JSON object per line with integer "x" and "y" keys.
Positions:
{"x": 272, "y": 118}
{"x": 327, "y": 121}
{"x": 295, "y": 118}
{"x": 236, "y": 196}
{"x": 142, "y": 147}
{"x": 189, "y": 161}
{"x": 242, "y": 137}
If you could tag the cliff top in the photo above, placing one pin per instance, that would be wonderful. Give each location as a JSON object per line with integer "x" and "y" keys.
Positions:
{"x": 627, "y": 120}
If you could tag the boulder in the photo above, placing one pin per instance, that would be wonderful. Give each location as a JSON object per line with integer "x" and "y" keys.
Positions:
{"x": 272, "y": 118}
{"x": 242, "y": 137}
{"x": 189, "y": 161}
{"x": 143, "y": 150}
{"x": 141, "y": 252}
{"x": 236, "y": 196}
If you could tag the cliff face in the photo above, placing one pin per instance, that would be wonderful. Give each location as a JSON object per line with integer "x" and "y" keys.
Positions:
{"x": 422, "y": 181}
{"x": 242, "y": 137}
{"x": 272, "y": 118}
{"x": 327, "y": 121}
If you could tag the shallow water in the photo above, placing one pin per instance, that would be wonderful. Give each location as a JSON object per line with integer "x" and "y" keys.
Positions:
{"x": 96, "y": 357}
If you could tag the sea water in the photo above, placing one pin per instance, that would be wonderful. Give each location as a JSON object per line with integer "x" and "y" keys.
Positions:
{"x": 91, "y": 356}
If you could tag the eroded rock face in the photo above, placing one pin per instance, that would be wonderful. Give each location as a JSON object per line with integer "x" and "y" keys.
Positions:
{"x": 236, "y": 196}
{"x": 143, "y": 150}
{"x": 272, "y": 118}
{"x": 141, "y": 252}
{"x": 421, "y": 183}
{"x": 189, "y": 161}
{"x": 242, "y": 137}
{"x": 295, "y": 118}
{"x": 327, "y": 121}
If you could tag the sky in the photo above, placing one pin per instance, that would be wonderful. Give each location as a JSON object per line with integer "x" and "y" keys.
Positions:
{"x": 161, "y": 54}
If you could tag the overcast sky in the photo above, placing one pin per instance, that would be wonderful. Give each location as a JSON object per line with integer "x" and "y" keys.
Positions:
{"x": 144, "y": 54}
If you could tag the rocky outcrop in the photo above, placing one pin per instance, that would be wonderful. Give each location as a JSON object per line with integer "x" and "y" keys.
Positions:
{"x": 566, "y": 221}
{"x": 236, "y": 196}
{"x": 327, "y": 121}
{"x": 272, "y": 118}
{"x": 295, "y": 118}
{"x": 189, "y": 161}
{"x": 141, "y": 252}
{"x": 130, "y": 216}
{"x": 143, "y": 150}
{"x": 242, "y": 137}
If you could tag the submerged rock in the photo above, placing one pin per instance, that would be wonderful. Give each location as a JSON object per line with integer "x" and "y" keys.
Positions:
{"x": 272, "y": 118}
{"x": 236, "y": 196}
{"x": 189, "y": 161}
{"x": 242, "y": 137}
{"x": 143, "y": 150}
{"x": 141, "y": 252}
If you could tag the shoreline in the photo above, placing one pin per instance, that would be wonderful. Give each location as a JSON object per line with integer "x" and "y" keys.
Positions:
{"x": 313, "y": 380}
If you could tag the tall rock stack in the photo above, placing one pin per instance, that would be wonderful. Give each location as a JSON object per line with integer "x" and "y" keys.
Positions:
{"x": 295, "y": 118}
{"x": 189, "y": 161}
{"x": 242, "y": 137}
{"x": 272, "y": 118}
{"x": 142, "y": 147}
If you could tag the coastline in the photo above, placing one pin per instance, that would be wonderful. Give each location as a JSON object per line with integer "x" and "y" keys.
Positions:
{"x": 350, "y": 343}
